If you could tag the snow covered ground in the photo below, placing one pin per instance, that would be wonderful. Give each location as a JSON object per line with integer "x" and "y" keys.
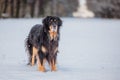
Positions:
{"x": 89, "y": 50}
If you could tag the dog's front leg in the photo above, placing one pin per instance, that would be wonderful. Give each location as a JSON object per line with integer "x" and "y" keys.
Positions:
{"x": 53, "y": 64}
{"x": 41, "y": 62}
{"x": 41, "y": 66}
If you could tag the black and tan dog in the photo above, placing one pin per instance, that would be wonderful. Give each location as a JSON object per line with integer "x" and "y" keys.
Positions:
{"x": 42, "y": 43}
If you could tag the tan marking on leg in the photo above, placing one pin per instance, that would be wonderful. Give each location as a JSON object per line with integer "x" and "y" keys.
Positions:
{"x": 44, "y": 50}
{"x": 53, "y": 66}
{"x": 35, "y": 51}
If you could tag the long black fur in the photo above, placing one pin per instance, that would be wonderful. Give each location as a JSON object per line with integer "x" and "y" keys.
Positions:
{"x": 39, "y": 36}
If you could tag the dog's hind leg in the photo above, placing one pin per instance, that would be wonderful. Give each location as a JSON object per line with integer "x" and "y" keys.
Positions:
{"x": 34, "y": 54}
{"x": 31, "y": 56}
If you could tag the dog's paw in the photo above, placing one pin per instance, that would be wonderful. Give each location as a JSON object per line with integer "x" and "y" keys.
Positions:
{"x": 42, "y": 69}
{"x": 53, "y": 68}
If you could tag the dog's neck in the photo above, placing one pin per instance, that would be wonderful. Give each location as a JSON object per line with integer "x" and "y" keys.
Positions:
{"x": 52, "y": 36}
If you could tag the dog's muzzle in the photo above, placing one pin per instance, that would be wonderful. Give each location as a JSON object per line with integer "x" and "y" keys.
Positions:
{"x": 54, "y": 28}
{"x": 53, "y": 32}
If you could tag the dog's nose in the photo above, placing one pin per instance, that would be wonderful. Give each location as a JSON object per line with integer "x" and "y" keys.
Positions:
{"x": 54, "y": 25}
{"x": 54, "y": 28}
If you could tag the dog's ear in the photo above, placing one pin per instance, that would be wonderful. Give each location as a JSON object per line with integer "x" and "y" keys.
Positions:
{"x": 45, "y": 21}
{"x": 59, "y": 21}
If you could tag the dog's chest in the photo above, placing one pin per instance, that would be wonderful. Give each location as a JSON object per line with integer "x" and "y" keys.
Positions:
{"x": 51, "y": 47}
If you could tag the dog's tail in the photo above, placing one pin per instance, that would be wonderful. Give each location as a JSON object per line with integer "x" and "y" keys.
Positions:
{"x": 28, "y": 47}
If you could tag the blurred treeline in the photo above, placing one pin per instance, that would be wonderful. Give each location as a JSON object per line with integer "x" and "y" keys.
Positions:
{"x": 37, "y": 8}
{"x": 62, "y": 8}
{"x": 105, "y": 8}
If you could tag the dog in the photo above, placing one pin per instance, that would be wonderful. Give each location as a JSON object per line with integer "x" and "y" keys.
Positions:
{"x": 43, "y": 41}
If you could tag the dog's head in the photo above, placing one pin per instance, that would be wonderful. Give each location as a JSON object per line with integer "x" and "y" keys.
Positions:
{"x": 52, "y": 24}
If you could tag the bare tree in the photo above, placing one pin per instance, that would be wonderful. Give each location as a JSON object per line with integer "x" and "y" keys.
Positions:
{"x": 5, "y": 6}
{"x": 41, "y": 7}
{"x": 12, "y": 8}
{"x": 1, "y": 7}
{"x": 54, "y": 7}
{"x": 23, "y": 8}
{"x": 17, "y": 8}
{"x": 32, "y": 7}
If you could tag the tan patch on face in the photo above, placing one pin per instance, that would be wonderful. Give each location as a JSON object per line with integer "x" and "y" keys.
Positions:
{"x": 34, "y": 54}
{"x": 44, "y": 50}
{"x": 53, "y": 34}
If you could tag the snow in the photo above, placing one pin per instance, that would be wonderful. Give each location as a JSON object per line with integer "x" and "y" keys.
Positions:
{"x": 89, "y": 50}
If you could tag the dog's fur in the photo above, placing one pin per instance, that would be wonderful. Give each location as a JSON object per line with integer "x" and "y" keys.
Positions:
{"x": 42, "y": 42}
